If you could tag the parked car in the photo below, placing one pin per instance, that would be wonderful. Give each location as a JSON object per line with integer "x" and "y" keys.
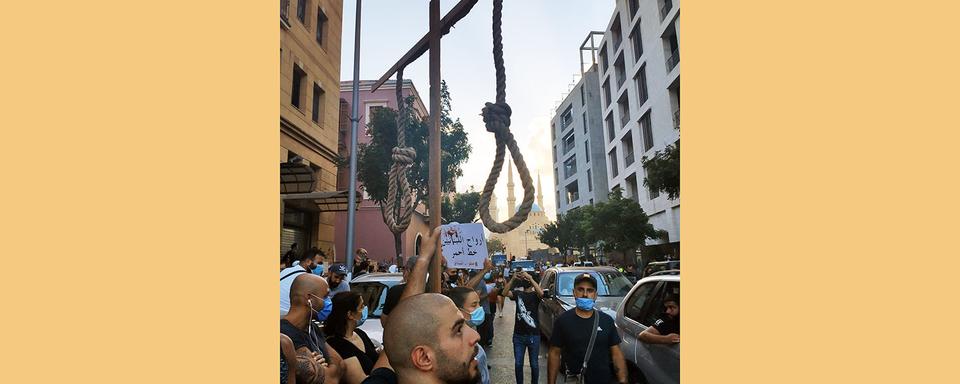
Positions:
{"x": 648, "y": 363}
{"x": 658, "y": 266}
{"x": 557, "y": 285}
{"x": 373, "y": 287}
{"x": 583, "y": 264}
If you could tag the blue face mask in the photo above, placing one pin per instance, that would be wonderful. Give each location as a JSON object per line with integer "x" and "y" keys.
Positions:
{"x": 363, "y": 317}
{"x": 322, "y": 314}
{"x": 487, "y": 276}
{"x": 585, "y": 303}
{"x": 477, "y": 316}
{"x": 318, "y": 270}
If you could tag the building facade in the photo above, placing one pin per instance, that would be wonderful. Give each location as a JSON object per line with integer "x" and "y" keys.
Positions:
{"x": 310, "y": 32}
{"x": 639, "y": 75}
{"x": 371, "y": 232}
{"x": 579, "y": 168}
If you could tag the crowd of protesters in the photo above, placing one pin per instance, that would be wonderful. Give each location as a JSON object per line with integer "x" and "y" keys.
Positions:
{"x": 440, "y": 337}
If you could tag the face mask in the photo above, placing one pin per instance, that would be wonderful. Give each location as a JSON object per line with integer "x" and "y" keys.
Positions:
{"x": 322, "y": 314}
{"x": 585, "y": 303}
{"x": 477, "y": 316}
{"x": 363, "y": 317}
{"x": 318, "y": 270}
{"x": 487, "y": 276}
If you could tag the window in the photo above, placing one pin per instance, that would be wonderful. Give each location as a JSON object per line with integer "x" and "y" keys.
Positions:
{"x": 573, "y": 192}
{"x": 321, "y": 24}
{"x": 566, "y": 118}
{"x": 302, "y": 11}
{"x": 632, "y": 187}
{"x": 553, "y": 132}
{"x": 584, "y": 122}
{"x": 653, "y": 193}
{"x": 603, "y": 59}
{"x": 554, "y": 153}
{"x": 298, "y": 78}
{"x": 586, "y": 151}
{"x": 642, "y": 85}
{"x": 665, "y": 9}
{"x": 647, "y": 132}
{"x": 634, "y": 7}
{"x": 606, "y": 92}
{"x": 624, "y": 105}
{"x": 317, "y": 103}
{"x": 637, "y": 39}
{"x": 590, "y": 183}
{"x": 616, "y": 33}
{"x": 372, "y": 108}
{"x": 671, "y": 47}
{"x": 611, "y": 130}
{"x": 570, "y": 167}
{"x": 636, "y": 303}
{"x": 285, "y": 11}
{"x": 568, "y": 143}
{"x": 627, "y": 144}
{"x": 583, "y": 96}
{"x": 621, "y": 72}
{"x": 655, "y": 302}
{"x": 612, "y": 156}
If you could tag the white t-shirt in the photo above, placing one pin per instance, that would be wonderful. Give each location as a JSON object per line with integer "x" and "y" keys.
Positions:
{"x": 285, "y": 286}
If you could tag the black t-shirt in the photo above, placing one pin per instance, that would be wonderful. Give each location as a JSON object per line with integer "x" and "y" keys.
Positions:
{"x": 526, "y": 318}
{"x": 313, "y": 340}
{"x": 381, "y": 376}
{"x": 667, "y": 325}
{"x": 393, "y": 298}
{"x": 571, "y": 333}
{"x": 346, "y": 350}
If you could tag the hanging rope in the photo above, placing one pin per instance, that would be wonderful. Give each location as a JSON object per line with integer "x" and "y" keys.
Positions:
{"x": 398, "y": 189}
{"x": 496, "y": 116}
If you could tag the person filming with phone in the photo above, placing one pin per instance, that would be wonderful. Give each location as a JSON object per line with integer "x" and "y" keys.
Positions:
{"x": 526, "y": 329}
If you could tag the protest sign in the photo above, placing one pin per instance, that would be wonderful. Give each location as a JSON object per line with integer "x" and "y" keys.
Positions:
{"x": 463, "y": 245}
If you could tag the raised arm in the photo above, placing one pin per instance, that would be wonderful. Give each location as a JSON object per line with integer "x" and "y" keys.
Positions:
{"x": 506, "y": 288}
{"x": 417, "y": 283}
{"x": 536, "y": 286}
{"x": 472, "y": 283}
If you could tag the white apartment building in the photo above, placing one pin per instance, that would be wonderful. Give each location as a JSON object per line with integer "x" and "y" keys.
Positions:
{"x": 639, "y": 76}
{"x": 579, "y": 166}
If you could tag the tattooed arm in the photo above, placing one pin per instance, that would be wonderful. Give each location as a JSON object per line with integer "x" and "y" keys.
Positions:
{"x": 311, "y": 367}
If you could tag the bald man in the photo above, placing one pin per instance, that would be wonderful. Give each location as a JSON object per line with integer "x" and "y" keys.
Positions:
{"x": 316, "y": 363}
{"x": 429, "y": 341}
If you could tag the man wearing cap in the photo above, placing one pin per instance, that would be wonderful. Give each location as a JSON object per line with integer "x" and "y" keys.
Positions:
{"x": 336, "y": 280}
{"x": 572, "y": 332}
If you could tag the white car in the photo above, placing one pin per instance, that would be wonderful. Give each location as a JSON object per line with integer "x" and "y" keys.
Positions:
{"x": 648, "y": 363}
{"x": 373, "y": 287}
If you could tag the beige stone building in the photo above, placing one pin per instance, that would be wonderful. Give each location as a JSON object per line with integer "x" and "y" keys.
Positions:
{"x": 310, "y": 34}
{"x": 523, "y": 239}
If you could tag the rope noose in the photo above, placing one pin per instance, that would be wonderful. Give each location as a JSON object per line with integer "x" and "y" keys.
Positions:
{"x": 496, "y": 116}
{"x": 398, "y": 189}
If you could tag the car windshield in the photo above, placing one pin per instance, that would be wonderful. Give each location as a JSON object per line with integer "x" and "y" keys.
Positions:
{"x": 525, "y": 264}
{"x": 608, "y": 283}
{"x": 374, "y": 293}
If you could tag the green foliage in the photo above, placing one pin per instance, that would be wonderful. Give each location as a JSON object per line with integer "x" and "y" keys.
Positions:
{"x": 374, "y": 159}
{"x": 663, "y": 171}
{"x": 494, "y": 246}
{"x": 618, "y": 222}
{"x": 462, "y": 208}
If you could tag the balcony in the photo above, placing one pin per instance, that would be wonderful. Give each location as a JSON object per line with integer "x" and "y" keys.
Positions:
{"x": 673, "y": 60}
{"x": 285, "y": 13}
{"x": 665, "y": 9}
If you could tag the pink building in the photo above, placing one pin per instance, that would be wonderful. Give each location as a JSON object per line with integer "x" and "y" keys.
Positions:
{"x": 371, "y": 233}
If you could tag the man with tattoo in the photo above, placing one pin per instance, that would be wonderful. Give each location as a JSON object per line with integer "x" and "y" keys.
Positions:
{"x": 316, "y": 363}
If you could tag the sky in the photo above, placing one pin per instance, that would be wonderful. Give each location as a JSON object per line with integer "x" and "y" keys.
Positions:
{"x": 541, "y": 40}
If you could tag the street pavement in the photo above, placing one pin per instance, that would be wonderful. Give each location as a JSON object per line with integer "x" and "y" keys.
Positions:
{"x": 500, "y": 357}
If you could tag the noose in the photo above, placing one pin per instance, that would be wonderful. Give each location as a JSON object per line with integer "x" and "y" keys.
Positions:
{"x": 397, "y": 218}
{"x": 496, "y": 116}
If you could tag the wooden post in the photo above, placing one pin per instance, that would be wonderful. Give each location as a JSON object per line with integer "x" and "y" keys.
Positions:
{"x": 434, "y": 161}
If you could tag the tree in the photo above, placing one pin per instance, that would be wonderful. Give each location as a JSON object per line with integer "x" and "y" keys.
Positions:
{"x": 462, "y": 208}
{"x": 494, "y": 246}
{"x": 621, "y": 224}
{"x": 663, "y": 171}
{"x": 374, "y": 159}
